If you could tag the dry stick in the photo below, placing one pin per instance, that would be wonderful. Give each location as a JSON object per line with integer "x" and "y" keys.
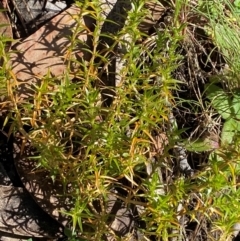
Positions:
{"x": 12, "y": 21}
{"x": 20, "y": 17}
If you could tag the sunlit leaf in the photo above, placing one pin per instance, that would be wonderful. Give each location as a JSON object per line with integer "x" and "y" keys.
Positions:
{"x": 199, "y": 145}
{"x": 230, "y": 128}
{"x": 219, "y": 100}
{"x": 236, "y": 106}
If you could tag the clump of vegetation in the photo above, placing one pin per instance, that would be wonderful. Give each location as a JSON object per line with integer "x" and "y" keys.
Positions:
{"x": 148, "y": 140}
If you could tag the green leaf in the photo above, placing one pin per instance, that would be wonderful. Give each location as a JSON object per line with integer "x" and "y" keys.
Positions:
{"x": 67, "y": 232}
{"x": 199, "y": 145}
{"x": 237, "y": 3}
{"x": 230, "y": 127}
{"x": 220, "y": 100}
{"x": 236, "y": 106}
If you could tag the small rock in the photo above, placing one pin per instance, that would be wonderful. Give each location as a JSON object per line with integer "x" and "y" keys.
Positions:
{"x": 56, "y": 7}
{"x": 236, "y": 229}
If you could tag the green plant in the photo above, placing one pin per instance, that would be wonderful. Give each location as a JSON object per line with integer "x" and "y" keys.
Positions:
{"x": 81, "y": 141}
{"x": 228, "y": 106}
{"x": 5, "y": 73}
{"x": 93, "y": 145}
{"x": 237, "y": 4}
{"x": 223, "y": 28}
